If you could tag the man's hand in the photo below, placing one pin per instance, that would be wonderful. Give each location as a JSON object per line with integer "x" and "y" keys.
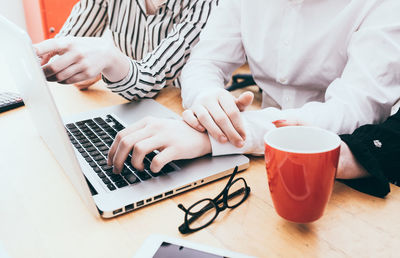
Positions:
{"x": 173, "y": 138}
{"x": 81, "y": 58}
{"x": 218, "y": 112}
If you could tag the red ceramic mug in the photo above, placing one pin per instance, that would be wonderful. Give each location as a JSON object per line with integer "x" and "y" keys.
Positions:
{"x": 301, "y": 165}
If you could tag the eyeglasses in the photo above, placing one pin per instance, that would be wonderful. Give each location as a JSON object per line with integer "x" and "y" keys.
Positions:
{"x": 203, "y": 213}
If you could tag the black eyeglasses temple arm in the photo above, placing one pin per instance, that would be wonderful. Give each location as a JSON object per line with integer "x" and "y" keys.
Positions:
{"x": 228, "y": 183}
{"x": 234, "y": 194}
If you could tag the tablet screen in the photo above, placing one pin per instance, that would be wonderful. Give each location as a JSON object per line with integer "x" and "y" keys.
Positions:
{"x": 167, "y": 250}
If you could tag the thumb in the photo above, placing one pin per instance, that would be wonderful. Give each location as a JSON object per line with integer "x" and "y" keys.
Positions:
{"x": 244, "y": 100}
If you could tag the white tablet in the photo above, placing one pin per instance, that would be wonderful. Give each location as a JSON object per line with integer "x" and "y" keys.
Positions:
{"x": 159, "y": 246}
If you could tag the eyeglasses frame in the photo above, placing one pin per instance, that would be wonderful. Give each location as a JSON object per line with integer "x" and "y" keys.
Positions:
{"x": 214, "y": 203}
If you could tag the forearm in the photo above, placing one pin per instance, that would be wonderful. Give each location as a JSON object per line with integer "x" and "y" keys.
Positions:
{"x": 135, "y": 84}
{"x": 347, "y": 107}
{"x": 160, "y": 68}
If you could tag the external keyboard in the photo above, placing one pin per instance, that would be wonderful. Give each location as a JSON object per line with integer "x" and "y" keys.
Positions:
{"x": 9, "y": 100}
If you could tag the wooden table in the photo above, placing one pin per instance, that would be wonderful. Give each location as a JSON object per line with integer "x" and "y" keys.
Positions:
{"x": 41, "y": 214}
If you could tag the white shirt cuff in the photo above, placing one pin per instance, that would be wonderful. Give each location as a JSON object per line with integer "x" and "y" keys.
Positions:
{"x": 127, "y": 80}
{"x": 254, "y": 143}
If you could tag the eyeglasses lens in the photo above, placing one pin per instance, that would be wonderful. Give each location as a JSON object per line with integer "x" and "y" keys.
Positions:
{"x": 236, "y": 193}
{"x": 201, "y": 213}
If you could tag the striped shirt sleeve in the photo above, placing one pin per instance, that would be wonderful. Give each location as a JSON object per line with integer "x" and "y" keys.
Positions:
{"x": 88, "y": 18}
{"x": 163, "y": 65}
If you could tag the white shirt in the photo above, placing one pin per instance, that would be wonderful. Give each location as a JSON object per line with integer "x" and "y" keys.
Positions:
{"x": 332, "y": 63}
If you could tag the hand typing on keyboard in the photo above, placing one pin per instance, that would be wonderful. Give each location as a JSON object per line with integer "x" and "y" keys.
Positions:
{"x": 173, "y": 138}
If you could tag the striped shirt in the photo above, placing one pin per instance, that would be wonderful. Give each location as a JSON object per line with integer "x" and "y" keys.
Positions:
{"x": 158, "y": 45}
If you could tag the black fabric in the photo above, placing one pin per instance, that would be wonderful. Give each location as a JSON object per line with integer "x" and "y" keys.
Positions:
{"x": 377, "y": 149}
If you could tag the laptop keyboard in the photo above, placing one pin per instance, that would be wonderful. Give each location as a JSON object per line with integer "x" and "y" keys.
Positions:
{"x": 93, "y": 138}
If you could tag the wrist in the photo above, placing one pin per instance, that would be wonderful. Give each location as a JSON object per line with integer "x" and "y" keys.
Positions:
{"x": 207, "y": 144}
{"x": 117, "y": 66}
{"x": 348, "y": 167}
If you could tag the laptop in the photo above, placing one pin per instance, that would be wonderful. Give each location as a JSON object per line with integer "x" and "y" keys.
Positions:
{"x": 80, "y": 142}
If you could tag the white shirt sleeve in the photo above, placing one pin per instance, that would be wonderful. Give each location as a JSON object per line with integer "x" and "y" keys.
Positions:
{"x": 218, "y": 53}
